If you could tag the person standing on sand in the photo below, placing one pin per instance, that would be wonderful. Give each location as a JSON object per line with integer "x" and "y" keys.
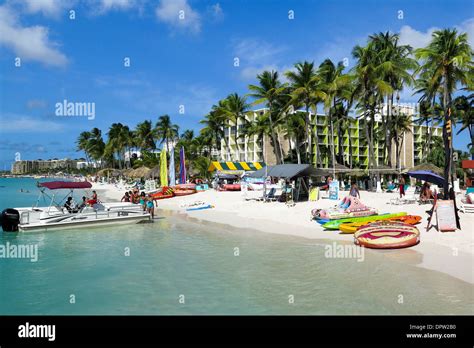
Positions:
{"x": 402, "y": 186}
{"x": 354, "y": 191}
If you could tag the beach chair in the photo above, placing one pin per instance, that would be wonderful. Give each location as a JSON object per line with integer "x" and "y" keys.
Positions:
{"x": 391, "y": 188}
{"x": 467, "y": 204}
{"x": 469, "y": 190}
{"x": 409, "y": 198}
{"x": 270, "y": 196}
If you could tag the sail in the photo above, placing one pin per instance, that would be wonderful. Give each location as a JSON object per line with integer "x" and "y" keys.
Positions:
{"x": 182, "y": 167}
{"x": 163, "y": 169}
{"x": 172, "y": 170}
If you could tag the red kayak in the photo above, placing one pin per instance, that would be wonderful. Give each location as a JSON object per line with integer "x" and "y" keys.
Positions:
{"x": 230, "y": 187}
{"x": 183, "y": 191}
{"x": 166, "y": 192}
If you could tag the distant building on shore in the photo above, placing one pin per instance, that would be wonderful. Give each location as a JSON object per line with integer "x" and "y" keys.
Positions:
{"x": 353, "y": 140}
{"x": 41, "y": 166}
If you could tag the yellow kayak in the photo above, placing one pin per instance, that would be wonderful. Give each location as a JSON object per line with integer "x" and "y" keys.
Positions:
{"x": 352, "y": 227}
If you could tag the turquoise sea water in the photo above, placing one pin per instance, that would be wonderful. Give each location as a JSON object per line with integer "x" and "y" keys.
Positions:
{"x": 176, "y": 259}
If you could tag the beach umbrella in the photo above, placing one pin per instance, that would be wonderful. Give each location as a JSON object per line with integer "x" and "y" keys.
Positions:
{"x": 163, "y": 169}
{"x": 182, "y": 166}
{"x": 172, "y": 170}
{"x": 427, "y": 176}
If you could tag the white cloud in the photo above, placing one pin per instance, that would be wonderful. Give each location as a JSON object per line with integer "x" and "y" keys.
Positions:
{"x": 12, "y": 123}
{"x": 468, "y": 27}
{"x": 179, "y": 15}
{"x": 49, "y": 8}
{"x": 256, "y": 56}
{"x": 28, "y": 43}
{"x": 36, "y": 104}
{"x": 104, "y": 6}
{"x": 216, "y": 11}
{"x": 415, "y": 38}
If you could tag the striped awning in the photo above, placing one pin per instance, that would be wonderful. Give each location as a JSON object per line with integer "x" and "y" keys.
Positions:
{"x": 245, "y": 166}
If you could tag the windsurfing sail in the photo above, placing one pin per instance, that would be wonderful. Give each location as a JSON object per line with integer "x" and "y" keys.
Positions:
{"x": 182, "y": 167}
{"x": 172, "y": 170}
{"x": 163, "y": 169}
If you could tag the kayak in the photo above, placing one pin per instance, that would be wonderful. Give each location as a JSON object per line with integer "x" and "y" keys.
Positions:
{"x": 334, "y": 224}
{"x": 347, "y": 208}
{"x": 166, "y": 192}
{"x": 184, "y": 192}
{"x": 201, "y": 208}
{"x": 352, "y": 227}
{"x": 387, "y": 235}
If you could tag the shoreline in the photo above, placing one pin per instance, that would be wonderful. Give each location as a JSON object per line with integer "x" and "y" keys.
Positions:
{"x": 451, "y": 253}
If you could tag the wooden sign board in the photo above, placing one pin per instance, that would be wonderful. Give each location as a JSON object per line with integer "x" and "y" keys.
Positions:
{"x": 445, "y": 215}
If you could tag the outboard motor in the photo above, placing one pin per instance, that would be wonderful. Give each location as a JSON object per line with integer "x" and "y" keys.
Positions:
{"x": 10, "y": 220}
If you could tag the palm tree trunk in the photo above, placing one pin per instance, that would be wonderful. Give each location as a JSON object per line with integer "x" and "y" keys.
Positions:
{"x": 276, "y": 149}
{"x": 447, "y": 142}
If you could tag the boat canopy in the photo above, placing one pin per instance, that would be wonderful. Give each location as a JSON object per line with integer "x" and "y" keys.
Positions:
{"x": 57, "y": 185}
{"x": 234, "y": 166}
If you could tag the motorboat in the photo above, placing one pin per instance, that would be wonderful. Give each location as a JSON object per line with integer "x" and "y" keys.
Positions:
{"x": 56, "y": 216}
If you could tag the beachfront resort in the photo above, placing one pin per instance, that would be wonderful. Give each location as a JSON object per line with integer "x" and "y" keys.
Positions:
{"x": 289, "y": 195}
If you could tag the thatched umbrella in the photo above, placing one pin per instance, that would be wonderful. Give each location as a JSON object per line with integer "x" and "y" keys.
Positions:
{"x": 154, "y": 172}
{"x": 140, "y": 172}
{"x": 105, "y": 171}
{"x": 425, "y": 166}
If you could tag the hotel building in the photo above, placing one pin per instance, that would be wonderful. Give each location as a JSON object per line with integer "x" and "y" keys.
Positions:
{"x": 250, "y": 149}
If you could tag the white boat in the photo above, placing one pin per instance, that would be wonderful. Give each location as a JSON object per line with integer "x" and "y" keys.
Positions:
{"x": 56, "y": 216}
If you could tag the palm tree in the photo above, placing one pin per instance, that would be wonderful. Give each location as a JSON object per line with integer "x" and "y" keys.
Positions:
{"x": 144, "y": 136}
{"x": 464, "y": 108}
{"x": 399, "y": 126}
{"x": 233, "y": 109}
{"x": 96, "y": 146}
{"x": 165, "y": 131}
{"x": 213, "y": 131}
{"x": 369, "y": 89}
{"x": 83, "y": 144}
{"x": 268, "y": 91}
{"x": 394, "y": 68}
{"x": 296, "y": 130}
{"x": 334, "y": 86}
{"x": 260, "y": 127}
{"x": 448, "y": 57}
{"x": 305, "y": 90}
{"x": 119, "y": 139}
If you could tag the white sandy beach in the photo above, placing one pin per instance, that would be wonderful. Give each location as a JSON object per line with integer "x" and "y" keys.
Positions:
{"x": 450, "y": 252}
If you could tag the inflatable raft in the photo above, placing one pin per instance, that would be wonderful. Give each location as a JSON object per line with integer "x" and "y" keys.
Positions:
{"x": 352, "y": 227}
{"x": 348, "y": 207}
{"x": 334, "y": 224}
{"x": 387, "y": 235}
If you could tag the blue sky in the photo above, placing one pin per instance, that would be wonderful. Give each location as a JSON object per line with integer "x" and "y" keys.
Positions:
{"x": 174, "y": 61}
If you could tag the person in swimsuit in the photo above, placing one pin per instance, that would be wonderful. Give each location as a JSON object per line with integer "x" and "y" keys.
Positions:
{"x": 402, "y": 187}
{"x": 143, "y": 200}
{"x": 125, "y": 198}
{"x": 354, "y": 191}
{"x": 150, "y": 206}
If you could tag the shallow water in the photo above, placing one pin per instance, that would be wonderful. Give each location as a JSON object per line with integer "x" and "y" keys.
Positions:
{"x": 175, "y": 256}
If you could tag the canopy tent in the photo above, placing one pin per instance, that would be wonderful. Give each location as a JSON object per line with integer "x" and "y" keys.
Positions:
{"x": 289, "y": 171}
{"x": 427, "y": 176}
{"x": 234, "y": 166}
{"x": 227, "y": 176}
{"x": 58, "y": 185}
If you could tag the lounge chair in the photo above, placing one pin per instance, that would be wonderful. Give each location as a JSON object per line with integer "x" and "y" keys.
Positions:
{"x": 467, "y": 205}
{"x": 469, "y": 190}
{"x": 391, "y": 188}
{"x": 270, "y": 196}
{"x": 409, "y": 198}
